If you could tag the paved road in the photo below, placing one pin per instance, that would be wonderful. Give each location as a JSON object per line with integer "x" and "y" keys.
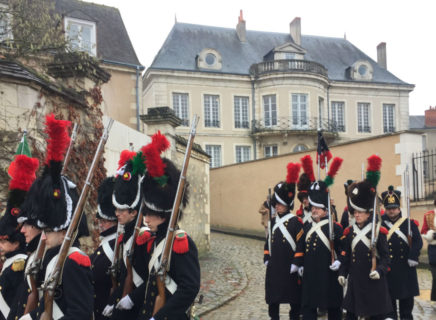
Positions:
{"x": 233, "y": 282}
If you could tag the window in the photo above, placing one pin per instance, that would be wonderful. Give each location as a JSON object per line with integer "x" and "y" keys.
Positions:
{"x": 270, "y": 110}
{"x": 180, "y": 106}
{"x": 215, "y": 153}
{"x": 81, "y": 35}
{"x": 338, "y": 116}
{"x": 242, "y": 153}
{"x": 299, "y": 147}
{"x": 5, "y": 26}
{"x": 211, "y": 111}
{"x": 363, "y": 124}
{"x": 270, "y": 151}
{"x": 299, "y": 110}
{"x": 388, "y": 118}
{"x": 289, "y": 55}
{"x": 241, "y": 112}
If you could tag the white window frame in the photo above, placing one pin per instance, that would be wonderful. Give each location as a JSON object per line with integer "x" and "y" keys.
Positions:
{"x": 338, "y": 115}
{"x": 241, "y": 112}
{"x": 215, "y": 159}
{"x": 299, "y": 148}
{"x": 181, "y": 106}
{"x": 93, "y": 41}
{"x": 242, "y": 153}
{"x": 268, "y": 150}
{"x": 388, "y": 117}
{"x": 300, "y": 110}
{"x": 211, "y": 116}
{"x": 269, "y": 110}
{"x": 363, "y": 117}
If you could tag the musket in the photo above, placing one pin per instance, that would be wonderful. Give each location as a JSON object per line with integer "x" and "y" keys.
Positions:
{"x": 409, "y": 228}
{"x": 35, "y": 266}
{"x": 331, "y": 230}
{"x": 51, "y": 282}
{"x": 163, "y": 267}
{"x": 114, "y": 268}
{"x": 70, "y": 148}
{"x": 375, "y": 230}
{"x": 128, "y": 281}
{"x": 269, "y": 222}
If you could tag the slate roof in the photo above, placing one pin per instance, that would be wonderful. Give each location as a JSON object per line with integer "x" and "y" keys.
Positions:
{"x": 186, "y": 41}
{"x": 113, "y": 42}
{"x": 416, "y": 122}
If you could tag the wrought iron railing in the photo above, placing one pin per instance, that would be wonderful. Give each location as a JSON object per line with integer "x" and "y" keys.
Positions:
{"x": 290, "y": 65}
{"x": 424, "y": 175}
{"x": 291, "y": 124}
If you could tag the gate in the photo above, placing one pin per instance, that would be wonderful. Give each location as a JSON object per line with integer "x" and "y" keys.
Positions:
{"x": 424, "y": 175}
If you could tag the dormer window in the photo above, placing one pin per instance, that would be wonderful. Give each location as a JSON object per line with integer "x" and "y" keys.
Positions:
{"x": 361, "y": 70}
{"x": 209, "y": 59}
{"x": 81, "y": 35}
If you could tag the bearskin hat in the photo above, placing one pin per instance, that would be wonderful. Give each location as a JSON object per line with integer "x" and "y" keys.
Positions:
{"x": 347, "y": 184}
{"x": 318, "y": 194}
{"x": 303, "y": 186}
{"x": 22, "y": 172}
{"x": 54, "y": 197}
{"x": 105, "y": 207}
{"x": 391, "y": 198}
{"x": 361, "y": 194}
{"x": 284, "y": 192}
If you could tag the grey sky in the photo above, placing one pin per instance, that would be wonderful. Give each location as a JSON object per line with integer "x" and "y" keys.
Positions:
{"x": 407, "y": 27}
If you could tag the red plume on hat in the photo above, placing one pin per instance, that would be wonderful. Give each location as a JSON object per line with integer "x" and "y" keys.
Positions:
{"x": 23, "y": 173}
{"x": 153, "y": 161}
{"x": 125, "y": 156}
{"x": 58, "y": 138}
{"x": 293, "y": 170}
{"x": 307, "y": 165}
{"x": 334, "y": 168}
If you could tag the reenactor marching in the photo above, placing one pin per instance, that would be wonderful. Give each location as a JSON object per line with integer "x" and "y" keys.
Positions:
{"x": 303, "y": 185}
{"x": 320, "y": 269}
{"x": 103, "y": 257}
{"x": 12, "y": 242}
{"x": 365, "y": 255}
{"x": 53, "y": 204}
{"x": 282, "y": 282}
{"x": 404, "y": 250}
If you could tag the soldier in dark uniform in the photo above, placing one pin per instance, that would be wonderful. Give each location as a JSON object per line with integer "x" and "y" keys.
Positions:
{"x": 53, "y": 207}
{"x": 402, "y": 277}
{"x": 32, "y": 235}
{"x": 347, "y": 218}
{"x": 12, "y": 242}
{"x": 320, "y": 286}
{"x": 367, "y": 293}
{"x": 282, "y": 283}
{"x": 102, "y": 258}
{"x": 183, "y": 277}
{"x": 304, "y": 212}
{"x": 125, "y": 301}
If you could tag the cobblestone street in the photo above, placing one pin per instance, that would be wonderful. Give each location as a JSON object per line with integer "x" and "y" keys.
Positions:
{"x": 233, "y": 283}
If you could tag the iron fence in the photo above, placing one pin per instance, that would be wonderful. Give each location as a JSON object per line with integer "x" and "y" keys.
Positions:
{"x": 424, "y": 175}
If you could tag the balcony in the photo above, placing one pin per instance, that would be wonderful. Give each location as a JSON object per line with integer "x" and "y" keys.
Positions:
{"x": 289, "y": 125}
{"x": 276, "y": 66}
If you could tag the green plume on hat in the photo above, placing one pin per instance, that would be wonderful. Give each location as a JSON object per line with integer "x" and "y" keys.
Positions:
{"x": 23, "y": 147}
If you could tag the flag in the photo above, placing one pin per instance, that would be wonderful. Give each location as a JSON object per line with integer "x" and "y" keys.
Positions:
{"x": 323, "y": 151}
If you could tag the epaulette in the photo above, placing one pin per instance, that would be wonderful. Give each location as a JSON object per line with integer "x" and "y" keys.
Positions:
{"x": 339, "y": 224}
{"x": 18, "y": 265}
{"x": 347, "y": 231}
{"x": 416, "y": 222}
{"x": 382, "y": 212}
{"x": 80, "y": 258}
{"x": 181, "y": 244}
{"x": 143, "y": 236}
{"x": 384, "y": 230}
{"x": 301, "y": 220}
{"x": 120, "y": 238}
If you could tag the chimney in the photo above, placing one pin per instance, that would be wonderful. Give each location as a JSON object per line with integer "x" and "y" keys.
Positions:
{"x": 240, "y": 28}
{"x": 430, "y": 118}
{"x": 381, "y": 55}
{"x": 295, "y": 29}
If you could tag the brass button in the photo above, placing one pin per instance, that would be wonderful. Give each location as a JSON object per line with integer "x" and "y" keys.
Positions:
{"x": 98, "y": 252}
{"x": 391, "y": 256}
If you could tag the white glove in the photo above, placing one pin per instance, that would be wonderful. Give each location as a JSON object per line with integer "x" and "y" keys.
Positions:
{"x": 26, "y": 317}
{"x": 412, "y": 263}
{"x": 374, "y": 275}
{"x": 125, "y": 303}
{"x": 152, "y": 318}
{"x": 301, "y": 271}
{"x": 341, "y": 280}
{"x": 335, "y": 265}
{"x": 107, "y": 311}
{"x": 294, "y": 268}
{"x": 429, "y": 236}
{"x": 266, "y": 262}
